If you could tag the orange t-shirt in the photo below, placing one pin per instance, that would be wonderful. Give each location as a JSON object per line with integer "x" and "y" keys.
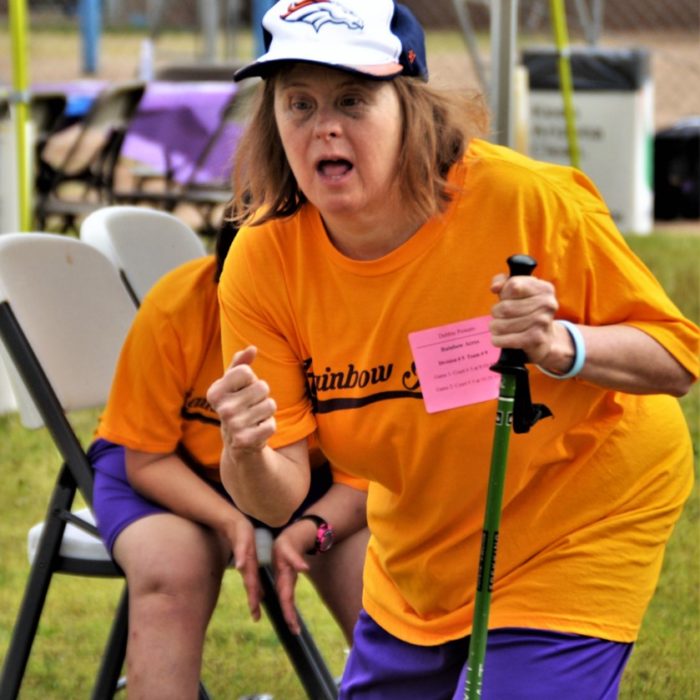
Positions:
{"x": 591, "y": 496}
{"x": 170, "y": 357}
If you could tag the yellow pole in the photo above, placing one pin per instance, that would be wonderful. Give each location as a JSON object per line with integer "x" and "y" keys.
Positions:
{"x": 20, "y": 83}
{"x": 566, "y": 83}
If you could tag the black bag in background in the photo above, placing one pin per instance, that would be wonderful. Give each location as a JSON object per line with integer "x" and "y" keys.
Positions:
{"x": 676, "y": 171}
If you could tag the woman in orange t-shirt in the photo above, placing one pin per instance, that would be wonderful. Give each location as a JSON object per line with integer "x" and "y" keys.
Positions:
{"x": 373, "y": 212}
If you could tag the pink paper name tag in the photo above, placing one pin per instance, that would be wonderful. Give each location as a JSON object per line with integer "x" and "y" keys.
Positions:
{"x": 452, "y": 363}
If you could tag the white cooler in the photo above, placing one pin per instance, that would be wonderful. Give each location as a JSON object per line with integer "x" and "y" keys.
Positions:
{"x": 614, "y": 114}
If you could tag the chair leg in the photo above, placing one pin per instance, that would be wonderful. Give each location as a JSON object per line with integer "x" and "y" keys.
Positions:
{"x": 40, "y": 217}
{"x": 310, "y": 666}
{"x": 203, "y": 693}
{"x": 113, "y": 657}
{"x": 36, "y": 590}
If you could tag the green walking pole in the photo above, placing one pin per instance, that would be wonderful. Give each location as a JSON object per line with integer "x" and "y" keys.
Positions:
{"x": 514, "y": 409}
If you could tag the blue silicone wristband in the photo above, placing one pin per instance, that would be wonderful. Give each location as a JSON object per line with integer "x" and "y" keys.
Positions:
{"x": 579, "y": 353}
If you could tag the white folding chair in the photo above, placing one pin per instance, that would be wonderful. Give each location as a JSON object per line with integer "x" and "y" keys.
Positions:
{"x": 64, "y": 313}
{"x": 145, "y": 242}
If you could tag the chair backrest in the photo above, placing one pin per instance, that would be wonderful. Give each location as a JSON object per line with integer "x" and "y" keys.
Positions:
{"x": 224, "y": 139}
{"x": 115, "y": 105}
{"x": 143, "y": 243}
{"x": 46, "y": 110}
{"x": 69, "y": 301}
{"x": 238, "y": 110}
{"x": 103, "y": 130}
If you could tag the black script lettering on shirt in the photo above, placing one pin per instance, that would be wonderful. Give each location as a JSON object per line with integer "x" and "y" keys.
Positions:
{"x": 198, "y": 408}
{"x": 353, "y": 378}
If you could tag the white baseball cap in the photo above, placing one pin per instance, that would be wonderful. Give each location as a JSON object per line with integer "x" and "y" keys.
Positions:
{"x": 375, "y": 38}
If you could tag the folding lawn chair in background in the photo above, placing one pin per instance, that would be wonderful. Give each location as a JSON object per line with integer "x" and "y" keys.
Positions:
{"x": 207, "y": 193}
{"x": 90, "y": 161}
{"x": 142, "y": 243}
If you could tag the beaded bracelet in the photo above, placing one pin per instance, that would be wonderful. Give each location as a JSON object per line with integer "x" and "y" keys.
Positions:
{"x": 579, "y": 353}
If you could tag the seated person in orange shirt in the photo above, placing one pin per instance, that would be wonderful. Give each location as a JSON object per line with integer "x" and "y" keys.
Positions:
{"x": 160, "y": 506}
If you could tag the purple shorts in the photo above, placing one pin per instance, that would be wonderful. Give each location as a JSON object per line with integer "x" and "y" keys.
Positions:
{"x": 116, "y": 504}
{"x": 521, "y": 664}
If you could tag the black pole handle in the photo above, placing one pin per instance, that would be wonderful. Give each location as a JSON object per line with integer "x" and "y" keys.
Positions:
{"x": 521, "y": 265}
{"x": 518, "y": 266}
{"x": 511, "y": 361}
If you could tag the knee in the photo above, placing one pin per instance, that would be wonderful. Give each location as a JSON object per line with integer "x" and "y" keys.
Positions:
{"x": 170, "y": 562}
{"x": 173, "y": 584}
{"x": 171, "y": 601}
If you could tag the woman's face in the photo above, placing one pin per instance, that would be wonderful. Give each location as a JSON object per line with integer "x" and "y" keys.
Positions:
{"x": 342, "y": 138}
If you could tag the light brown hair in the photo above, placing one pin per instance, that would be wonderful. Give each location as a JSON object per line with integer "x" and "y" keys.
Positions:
{"x": 437, "y": 126}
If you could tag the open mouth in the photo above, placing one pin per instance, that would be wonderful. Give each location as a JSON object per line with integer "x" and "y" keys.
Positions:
{"x": 334, "y": 168}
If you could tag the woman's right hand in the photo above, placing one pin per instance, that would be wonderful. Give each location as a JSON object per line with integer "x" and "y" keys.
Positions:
{"x": 288, "y": 561}
{"x": 244, "y": 405}
{"x": 240, "y": 533}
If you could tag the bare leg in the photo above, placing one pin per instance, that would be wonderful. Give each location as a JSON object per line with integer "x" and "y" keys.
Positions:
{"x": 337, "y": 576}
{"x": 173, "y": 568}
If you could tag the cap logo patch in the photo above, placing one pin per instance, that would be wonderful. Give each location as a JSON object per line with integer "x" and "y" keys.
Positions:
{"x": 320, "y": 12}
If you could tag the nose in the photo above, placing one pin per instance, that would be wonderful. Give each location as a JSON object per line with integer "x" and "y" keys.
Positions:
{"x": 327, "y": 125}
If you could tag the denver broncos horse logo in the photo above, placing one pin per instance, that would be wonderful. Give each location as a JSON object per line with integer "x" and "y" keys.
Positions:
{"x": 320, "y": 12}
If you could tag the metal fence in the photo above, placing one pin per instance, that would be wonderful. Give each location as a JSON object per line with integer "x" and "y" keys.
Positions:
{"x": 219, "y": 31}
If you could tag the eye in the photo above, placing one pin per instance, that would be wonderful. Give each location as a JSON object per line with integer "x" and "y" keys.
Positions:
{"x": 299, "y": 104}
{"x": 351, "y": 101}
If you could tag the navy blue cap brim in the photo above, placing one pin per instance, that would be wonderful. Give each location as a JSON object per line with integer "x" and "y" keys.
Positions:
{"x": 266, "y": 69}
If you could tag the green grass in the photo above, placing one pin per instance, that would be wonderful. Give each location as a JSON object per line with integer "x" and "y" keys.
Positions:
{"x": 665, "y": 664}
{"x": 242, "y": 657}
{"x": 675, "y": 261}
